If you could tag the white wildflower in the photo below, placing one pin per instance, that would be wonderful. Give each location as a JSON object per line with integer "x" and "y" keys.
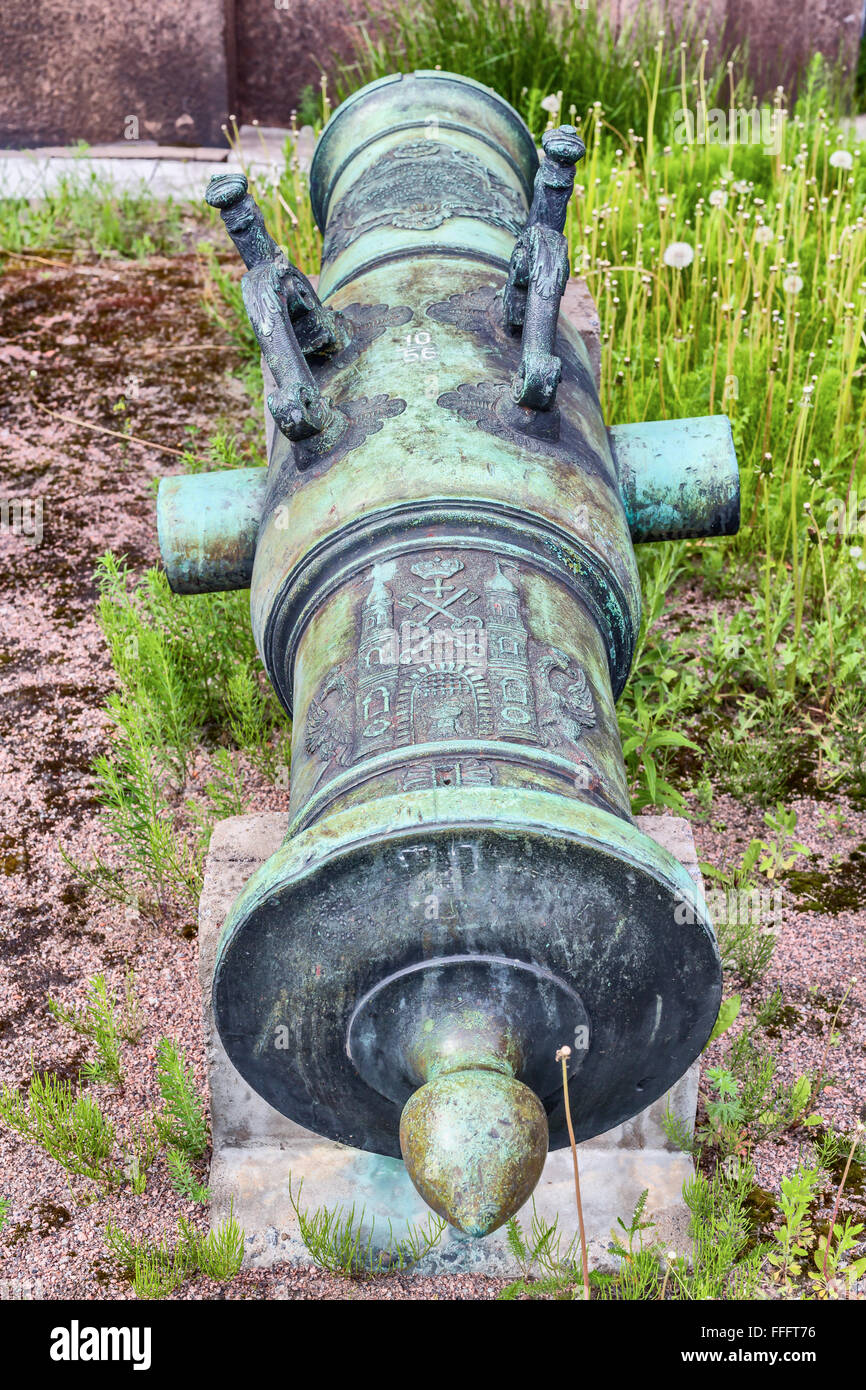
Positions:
{"x": 679, "y": 254}
{"x": 842, "y": 159}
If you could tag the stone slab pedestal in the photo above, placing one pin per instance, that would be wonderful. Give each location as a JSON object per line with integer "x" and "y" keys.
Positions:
{"x": 255, "y": 1149}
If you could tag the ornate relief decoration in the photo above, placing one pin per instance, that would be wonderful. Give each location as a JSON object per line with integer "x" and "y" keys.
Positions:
{"x": 480, "y": 311}
{"x": 477, "y": 310}
{"x": 417, "y": 186}
{"x": 568, "y": 704}
{"x": 490, "y": 406}
{"x": 330, "y": 729}
{"x": 363, "y": 417}
{"x": 444, "y": 653}
{"x": 369, "y": 322}
{"x": 353, "y": 420}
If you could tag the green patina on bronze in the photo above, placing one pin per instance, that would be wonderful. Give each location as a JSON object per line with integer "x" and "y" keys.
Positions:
{"x": 208, "y": 525}
{"x": 678, "y": 478}
{"x": 474, "y": 1143}
{"x": 445, "y": 596}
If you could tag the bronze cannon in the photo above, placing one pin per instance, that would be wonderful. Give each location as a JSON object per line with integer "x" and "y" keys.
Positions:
{"x": 445, "y": 596}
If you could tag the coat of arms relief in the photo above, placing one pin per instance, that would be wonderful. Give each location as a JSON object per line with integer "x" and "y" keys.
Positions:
{"x": 445, "y": 655}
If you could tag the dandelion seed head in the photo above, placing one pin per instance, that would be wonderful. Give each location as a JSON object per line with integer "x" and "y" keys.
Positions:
{"x": 678, "y": 255}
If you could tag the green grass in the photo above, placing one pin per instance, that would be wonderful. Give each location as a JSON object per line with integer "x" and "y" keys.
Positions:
{"x": 720, "y": 1265}
{"x": 767, "y": 324}
{"x": 156, "y": 1269}
{"x": 189, "y": 685}
{"x": 528, "y": 53}
{"x": 106, "y": 1024}
{"x": 343, "y": 1241}
{"x": 85, "y": 213}
{"x": 183, "y": 1123}
{"x": 68, "y": 1124}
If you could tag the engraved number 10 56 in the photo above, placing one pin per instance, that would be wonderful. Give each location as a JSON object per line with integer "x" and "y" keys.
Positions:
{"x": 419, "y": 347}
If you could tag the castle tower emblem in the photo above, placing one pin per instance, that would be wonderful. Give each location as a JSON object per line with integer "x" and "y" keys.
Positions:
{"x": 377, "y": 671}
{"x": 508, "y": 661}
{"x": 457, "y": 666}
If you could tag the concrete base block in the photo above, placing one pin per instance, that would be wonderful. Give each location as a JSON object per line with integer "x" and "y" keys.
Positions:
{"x": 256, "y": 1150}
{"x": 579, "y": 307}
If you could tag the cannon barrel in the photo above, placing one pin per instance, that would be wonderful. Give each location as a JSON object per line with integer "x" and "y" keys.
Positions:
{"x": 445, "y": 595}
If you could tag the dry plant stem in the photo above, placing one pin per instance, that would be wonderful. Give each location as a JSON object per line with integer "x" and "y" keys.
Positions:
{"x": 190, "y": 347}
{"x": 816, "y": 1089}
{"x": 31, "y": 256}
{"x": 851, "y": 1151}
{"x": 821, "y": 1069}
{"x": 167, "y": 352}
{"x": 102, "y": 429}
{"x": 576, "y": 1183}
{"x": 852, "y": 477}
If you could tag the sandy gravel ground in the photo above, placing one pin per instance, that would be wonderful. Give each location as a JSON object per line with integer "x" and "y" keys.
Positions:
{"x": 75, "y": 341}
